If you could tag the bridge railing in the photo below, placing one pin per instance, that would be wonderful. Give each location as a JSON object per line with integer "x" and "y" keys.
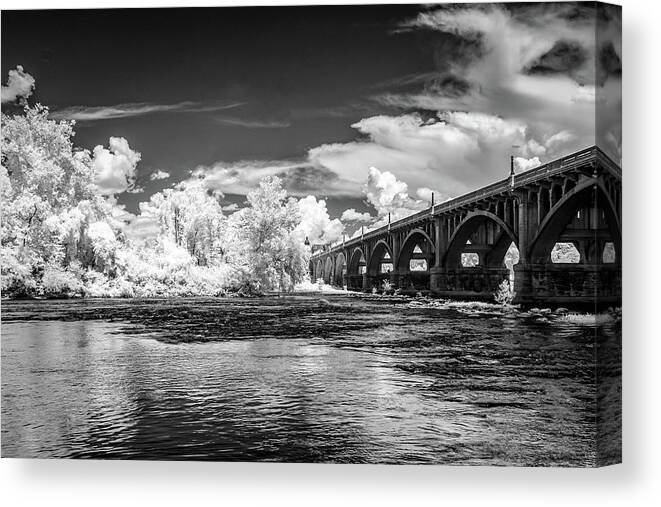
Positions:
{"x": 552, "y": 168}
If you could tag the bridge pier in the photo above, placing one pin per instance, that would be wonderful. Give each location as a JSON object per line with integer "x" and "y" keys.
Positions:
{"x": 480, "y": 282}
{"x": 592, "y": 286}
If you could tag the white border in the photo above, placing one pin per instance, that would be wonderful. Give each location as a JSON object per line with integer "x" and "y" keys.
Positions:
{"x": 636, "y": 482}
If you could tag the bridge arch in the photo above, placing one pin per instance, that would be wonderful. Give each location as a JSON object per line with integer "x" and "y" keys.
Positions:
{"x": 356, "y": 260}
{"x": 563, "y": 213}
{"x": 318, "y": 270}
{"x": 340, "y": 269}
{"x": 328, "y": 270}
{"x": 468, "y": 227}
{"x": 380, "y": 253}
{"x": 419, "y": 238}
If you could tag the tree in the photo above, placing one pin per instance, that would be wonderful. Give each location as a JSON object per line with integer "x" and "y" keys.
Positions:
{"x": 266, "y": 245}
{"x": 193, "y": 218}
{"x": 48, "y": 196}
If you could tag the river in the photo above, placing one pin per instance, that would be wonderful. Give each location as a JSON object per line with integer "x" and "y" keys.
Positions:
{"x": 305, "y": 379}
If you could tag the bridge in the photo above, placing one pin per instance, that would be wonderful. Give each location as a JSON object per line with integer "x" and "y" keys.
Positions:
{"x": 457, "y": 249}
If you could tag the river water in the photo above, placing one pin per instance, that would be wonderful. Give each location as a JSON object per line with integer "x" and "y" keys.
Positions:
{"x": 304, "y": 379}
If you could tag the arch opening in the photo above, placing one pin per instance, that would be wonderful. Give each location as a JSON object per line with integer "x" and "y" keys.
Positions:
{"x": 328, "y": 271}
{"x": 608, "y": 255}
{"x": 565, "y": 253}
{"x": 470, "y": 259}
{"x": 380, "y": 260}
{"x": 417, "y": 253}
{"x": 577, "y": 228}
{"x": 340, "y": 270}
{"x": 482, "y": 239}
{"x": 357, "y": 264}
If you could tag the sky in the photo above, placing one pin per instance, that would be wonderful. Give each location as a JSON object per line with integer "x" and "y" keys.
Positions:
{"x": 362, "y": 110}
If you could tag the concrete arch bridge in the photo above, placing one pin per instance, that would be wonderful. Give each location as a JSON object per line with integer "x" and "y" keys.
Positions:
{"x": 458, "y": 248}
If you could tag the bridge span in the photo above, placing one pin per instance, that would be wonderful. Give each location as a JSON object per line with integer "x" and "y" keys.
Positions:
{"x": 457, "y": 249}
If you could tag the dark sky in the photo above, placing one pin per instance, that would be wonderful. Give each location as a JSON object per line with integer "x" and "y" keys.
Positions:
{"x": 432, "y": 96}
{"x": 306, "y": 71}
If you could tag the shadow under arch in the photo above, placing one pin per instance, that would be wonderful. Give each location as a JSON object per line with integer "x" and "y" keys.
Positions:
{"x": 559, "y": 217}
{"x": 340, "y": 269}
{"x": 470, "y": 224}
{"x": 356, "y": 259}
{"x": 417, "y": 237}
{"x": 318, "y": 273}
{"x": 328, "y": 270}
{"x": 377, "y": 256}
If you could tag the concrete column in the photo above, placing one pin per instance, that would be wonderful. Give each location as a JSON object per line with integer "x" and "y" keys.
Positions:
{"x": 436, "y": 274}
{"x": 523, "y": 270}
{"x": 394, "y": 274}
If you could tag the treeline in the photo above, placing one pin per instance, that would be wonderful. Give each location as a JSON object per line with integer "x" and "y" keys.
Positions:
{"x": 62, "y": 238}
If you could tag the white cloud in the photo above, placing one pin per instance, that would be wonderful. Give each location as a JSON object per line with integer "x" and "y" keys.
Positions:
{"x": 142, "y": 228}
{"x": 425, "y": 194}
{"x": 159, "y": 175}
{"x": 511, "y": 42}
{"x": 459, "y": 152}
{"x": 525, "y": 164}
{"x": 351, "y": 215}
{"x": 114, "y": 167}
{"x": 19, "y": 85}
{"x": 92, "y": 113}
{"x": 315, "y": 224}
{"x": 389, "y": 196}
{"x": 300, "y": 178}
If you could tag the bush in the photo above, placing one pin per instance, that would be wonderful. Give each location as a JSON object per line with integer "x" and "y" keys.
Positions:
{"x": 59, "y": 282}
{"x": 504, "y": 295}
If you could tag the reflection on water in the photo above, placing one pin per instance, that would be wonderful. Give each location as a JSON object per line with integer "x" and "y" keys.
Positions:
{"x": 305, "y": 380}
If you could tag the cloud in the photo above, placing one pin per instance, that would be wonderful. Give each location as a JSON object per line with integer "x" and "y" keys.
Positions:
{"x": 389, "y": 196}
{"x": 300, "y": 178}
{"x": 93, "y": 113}
{"x": 426, "y": 194}
{"x": 19, "y": 85}
{"x": 539, "y": 64}
{"x": 525, "y": 164}
{"x": 351, "y": 215}
{"x": 142, "y": 228}
{"x": 159, "y": 175}
{"x": 315, "y": 224}
{"x": 456, "y": 153}
{"x": 114, "y": 167}
{"x": 252, "y": 124}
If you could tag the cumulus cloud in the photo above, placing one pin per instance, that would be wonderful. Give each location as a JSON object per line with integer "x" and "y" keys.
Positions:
{"x": 389, "y": 196}
{"x": 19, "y": 85}
{"x": 159, "y": 175}
{"x": 316, "y": 224}
{"x": 142, "y": 228}
{"x": 351, "y": 215}
{"x": 453, "y": 154}
{"x": 114, "y": 167}
{"x": 540, "y": 64}
{"x": 300, "y": 178}
{"x": 525, "y": 164}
